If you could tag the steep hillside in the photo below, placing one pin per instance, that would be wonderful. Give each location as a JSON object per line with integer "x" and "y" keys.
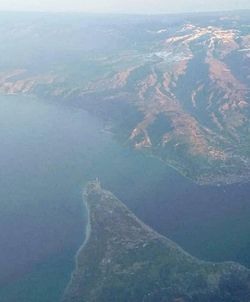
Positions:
{"x": 175, "y": 87}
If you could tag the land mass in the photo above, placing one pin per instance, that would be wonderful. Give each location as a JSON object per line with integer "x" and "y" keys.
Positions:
{"x": 174, "y": 87}
{"x": 124, "y": 260}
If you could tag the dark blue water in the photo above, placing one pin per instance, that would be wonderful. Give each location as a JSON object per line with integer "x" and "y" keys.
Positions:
{"x": 47, "y": 154}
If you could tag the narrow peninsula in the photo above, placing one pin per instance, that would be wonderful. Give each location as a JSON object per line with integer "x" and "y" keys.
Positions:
{"x": 124, "y": 260}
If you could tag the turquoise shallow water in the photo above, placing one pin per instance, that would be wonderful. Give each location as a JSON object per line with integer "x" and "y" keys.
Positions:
{"x": 47, "y": 154}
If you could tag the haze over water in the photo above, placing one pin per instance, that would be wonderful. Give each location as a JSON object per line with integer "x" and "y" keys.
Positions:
{"x": 47, "y": 154}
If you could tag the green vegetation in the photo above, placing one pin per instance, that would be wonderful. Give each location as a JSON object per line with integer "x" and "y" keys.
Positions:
{"x": 125, "y": 260}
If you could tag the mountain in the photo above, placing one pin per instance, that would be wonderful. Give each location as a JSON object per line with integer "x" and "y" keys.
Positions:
{"x": 124, "y": 260}
{"x": 174, "y": 87}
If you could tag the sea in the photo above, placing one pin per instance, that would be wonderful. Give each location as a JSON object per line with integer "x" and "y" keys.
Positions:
{"x": 47, "y": 154}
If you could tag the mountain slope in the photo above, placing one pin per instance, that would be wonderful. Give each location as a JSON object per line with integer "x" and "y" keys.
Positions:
{"x": 175, "y": 87}
{"x": 125, "y": 260}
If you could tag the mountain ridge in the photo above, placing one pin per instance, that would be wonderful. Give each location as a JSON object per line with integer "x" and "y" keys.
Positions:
{"x": 176, "y": 88}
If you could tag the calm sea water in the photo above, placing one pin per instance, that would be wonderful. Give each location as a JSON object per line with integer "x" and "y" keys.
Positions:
{"x": 47, "y": 154}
